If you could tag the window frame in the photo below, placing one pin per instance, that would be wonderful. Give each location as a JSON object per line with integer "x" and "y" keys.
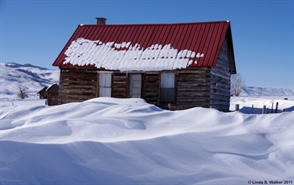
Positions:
{"x": 105, "y": 87}
{"x": 168, "y": 88}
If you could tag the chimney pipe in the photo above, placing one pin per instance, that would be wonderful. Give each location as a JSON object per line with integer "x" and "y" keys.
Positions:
{"x": 101, "y": 20}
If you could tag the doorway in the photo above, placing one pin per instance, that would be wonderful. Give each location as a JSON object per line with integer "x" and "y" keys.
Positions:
{"x": 135, "y": 85}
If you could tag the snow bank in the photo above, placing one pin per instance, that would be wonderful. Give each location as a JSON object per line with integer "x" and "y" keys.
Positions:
{"x": 127, "y": 141}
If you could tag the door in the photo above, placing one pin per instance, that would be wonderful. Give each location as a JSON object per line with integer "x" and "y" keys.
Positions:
{"x": 135, "y": 85}
{"x": 104, "y": 84}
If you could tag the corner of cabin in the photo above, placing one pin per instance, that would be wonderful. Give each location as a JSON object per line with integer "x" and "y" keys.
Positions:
{"x": 220, "y": 79}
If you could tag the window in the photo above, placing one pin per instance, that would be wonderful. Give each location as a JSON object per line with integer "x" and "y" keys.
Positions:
{"x": 167, "y": 91}
{"x": 135, "y": 85}
{"x": 104, "y": 84}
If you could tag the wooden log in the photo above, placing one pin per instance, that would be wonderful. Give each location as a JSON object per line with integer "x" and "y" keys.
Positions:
{"x": 78, "y": 97}
{"x": 78, "y": 91}
{"x": 218, "y": 101}
{"x": 194, "y": 70}
{"x": 193, "y": 101}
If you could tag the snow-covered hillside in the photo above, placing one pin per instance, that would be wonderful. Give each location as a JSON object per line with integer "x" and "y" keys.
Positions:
{"x": 33, "y": 77}
{"x": 127, "y": 141}
{"x": 265, "y": 91}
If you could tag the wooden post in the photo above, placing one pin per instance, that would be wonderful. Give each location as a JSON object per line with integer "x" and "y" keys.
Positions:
{"x": 272, "y": 111}
{"x": 264, "y": 109}
{"x": 277, "y": 105}
{"x": 252, "y": 109}
{"x": 237, "y": 107}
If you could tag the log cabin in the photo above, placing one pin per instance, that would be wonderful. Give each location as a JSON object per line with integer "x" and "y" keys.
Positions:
{"x": 173, "y": 66}
{"x": 52, "y": 93}
{"x": 42, "y": 93}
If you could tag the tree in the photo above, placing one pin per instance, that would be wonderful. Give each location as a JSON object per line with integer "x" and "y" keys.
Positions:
{"x": 21, "y": 91}
{"x": 237, "y": 82}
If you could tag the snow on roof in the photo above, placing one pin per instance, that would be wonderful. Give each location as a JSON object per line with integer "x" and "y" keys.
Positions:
{"x": 127, "y": 56}
{"x": 49, "y": 87}
{"x": 147, "y": 46}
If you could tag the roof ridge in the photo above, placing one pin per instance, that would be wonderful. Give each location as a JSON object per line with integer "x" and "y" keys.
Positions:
{"x": 158, "y": 24}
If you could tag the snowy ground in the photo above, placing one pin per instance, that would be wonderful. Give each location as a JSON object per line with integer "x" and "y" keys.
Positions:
{"x": 254, "y": 105}
{"x": 127, "y": 141}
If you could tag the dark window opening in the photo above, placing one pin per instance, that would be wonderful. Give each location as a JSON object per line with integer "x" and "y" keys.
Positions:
{"x": 167, "y": 95}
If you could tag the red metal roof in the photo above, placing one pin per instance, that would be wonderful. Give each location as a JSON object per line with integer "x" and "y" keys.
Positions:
{"x": 202, "y": 37}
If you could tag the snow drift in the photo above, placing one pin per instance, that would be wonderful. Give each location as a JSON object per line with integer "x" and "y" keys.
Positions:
{"x": 127, "y": 141}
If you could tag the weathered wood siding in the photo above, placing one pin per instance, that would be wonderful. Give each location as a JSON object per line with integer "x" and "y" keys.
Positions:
{"x": 151, "y": 88}
{"x": 52, "y": 98}
{"x": 77, "y": 84}
{"x": 119, "y": 85}
{"x": 192, "y": 88}
{"x": 52, "y": 95}
{"x": 220, "y": 81}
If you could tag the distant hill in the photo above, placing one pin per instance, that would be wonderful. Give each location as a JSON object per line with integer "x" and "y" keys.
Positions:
{"x": 265, "y": 91}
{"x": 33, "y": 77}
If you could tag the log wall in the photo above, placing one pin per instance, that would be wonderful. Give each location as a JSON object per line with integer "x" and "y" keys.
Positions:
{"x": 151, "y": 88}
{"x": 77, "y": 84}
{"x": 52, "y": 95}
{"x": 52, "y": 98}
{"x": 119, "y": 85}
{"x": 192, "y": 88}
{"x": 220, "y": 82}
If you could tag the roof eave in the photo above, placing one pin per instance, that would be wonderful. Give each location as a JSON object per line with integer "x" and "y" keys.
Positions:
{"x": 232, "y": 62}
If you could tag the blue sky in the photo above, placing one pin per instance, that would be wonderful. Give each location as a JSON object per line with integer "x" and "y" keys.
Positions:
{"x": 35, "y": 31}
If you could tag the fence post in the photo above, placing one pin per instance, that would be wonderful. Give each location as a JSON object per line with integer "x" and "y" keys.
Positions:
{"x": 252, "y": 111}
{"x": 264, "y": 109}
{"x": 237, "y": 107}
{"x": 277, "y": 105}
